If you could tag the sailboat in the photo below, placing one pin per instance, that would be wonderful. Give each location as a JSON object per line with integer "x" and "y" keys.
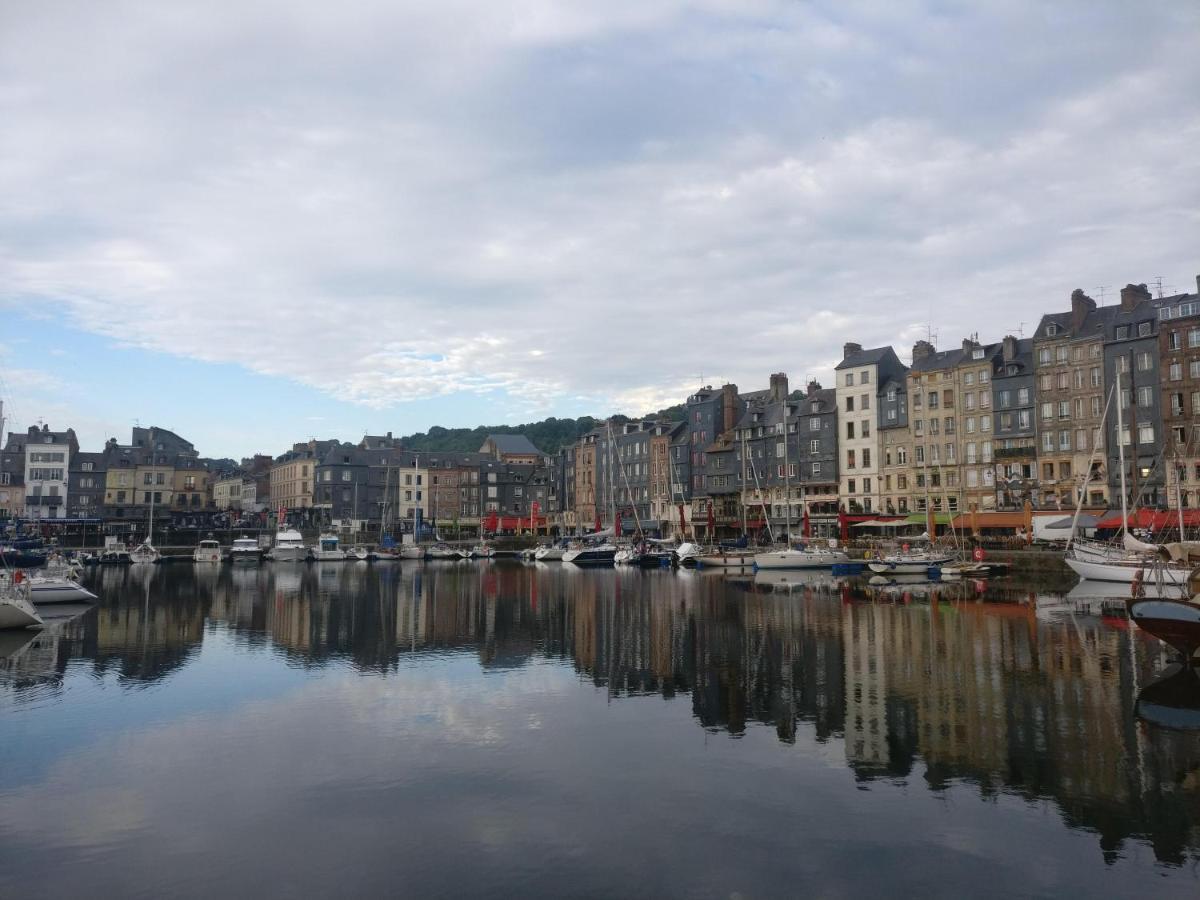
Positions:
{"x": 1134, "y": 561}
{"x": 145, "y": 552}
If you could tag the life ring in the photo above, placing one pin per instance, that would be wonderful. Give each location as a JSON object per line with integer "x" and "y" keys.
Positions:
{"x": 978, "y": 554}
{"x": 18, "y": 577}
{"x": 904, "y": 547}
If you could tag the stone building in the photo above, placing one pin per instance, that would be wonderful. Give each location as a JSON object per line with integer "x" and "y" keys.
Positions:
{"x": 859, "y": 375}
{"x": 1179, "y": 371}
{"x": 1071, "y": 396}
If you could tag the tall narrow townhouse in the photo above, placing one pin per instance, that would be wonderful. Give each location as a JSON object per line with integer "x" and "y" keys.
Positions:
{"x": 859, "y": 375}
{"x": 896, "y": 440}
{"x": 1131, "y": 357}
{"x": 1014, "y": 422}
{"x": 971, "y": 423}
{"x": 933, "y": 384}
{"x": 1071, "y": 396}
{"x": 1179, "y": 352}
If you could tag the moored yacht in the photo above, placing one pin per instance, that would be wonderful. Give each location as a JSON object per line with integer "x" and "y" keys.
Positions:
{"x": 245, "y": 550}
{"x": 328, "y": 548}
{"x": 807, "y": 558}
{"x": 207, "y": 551}
{"x": 909, "y": 562}
{"x": 16, "y": 608}
{"x": 591, "y": 554}
{"x": 144, "y": 553}
{"x": 549, "y": 553}
{"x": 289, "y": 546}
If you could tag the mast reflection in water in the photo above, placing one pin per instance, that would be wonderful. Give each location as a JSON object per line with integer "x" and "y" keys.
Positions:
{"x": 444, "y": 728}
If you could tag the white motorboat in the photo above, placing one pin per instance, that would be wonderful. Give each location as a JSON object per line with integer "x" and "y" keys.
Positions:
{"x": 207, "y": 551}
{"x": 591, "y": 554}
{"x": 358, "y": 553}
{"x": 483, "y": 551}
{"x": 289, "y": 546}
{"x": 808, "y": 558}
{"x": 549, "y": 553}
{"x": 114, "y": 553}
{"x": 910, "y": 562}
{"x": 144, "y": 553}
{"x": 245, "y": 550}
{"x": 412, "y": 551}
{"x": 442, "y": 551}
{"x": 328, "y": 549}
{"x": 50, "y": 587}
{"x": 16, "y": 608}
{"x": 624, "y": 556}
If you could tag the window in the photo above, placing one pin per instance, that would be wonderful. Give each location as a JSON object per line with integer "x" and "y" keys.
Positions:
{"x": 1064, "y": 409}
{"x": 1063, "y": 381}
{"x": 864, "y": 377}
{"x": 850, "y": 431}
{"x": 969, "y": 378}
{"x": 849, "y": 459}
{"x": 1064, "y": 440}
{"x": 1122, "y": 363}
{"x": 1047, "y": 411}
{"x": 1051, "y": 331}
{"x": 1044, "y": 353}
{"x": 864, "y": 402}
{"x": 814, "y": 424}
{"x": 1023, "y": 418}
{"x": 1122, "y": 332}
{"x": 814, "y": 446}
{"x": 977, "y": 353}
{"x": 1176, "y": 371}
{"x": 1193, "y": 337}
{"x": 1145, "y": 433}
{"x": 1145, "y": 396}
{"x": 866, "y": 460}
{"x": 984, "y": 375}
{"x": 345, "y": 475}
{"x": 902, "y": 453}
{"x": 1048, "y": 441}
{"x": 816, "y": 468}
{"x": 1081, "y": 439}
{"x": 919, "y": 454}
{"x": 1143, "y": 329}
{"x": 1173, "y": 342}
{"x": 866, "y": 428}
{"x": 1145, "y": 361}
{"x": 849, "y": 404}
{"x": 147, "y": 478}
{"x": 1060, "y": 354}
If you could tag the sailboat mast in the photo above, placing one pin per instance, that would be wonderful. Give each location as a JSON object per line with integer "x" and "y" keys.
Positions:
{"x": 1179, "y": 496}
{"x": 787, "y": 484}
{"x": 743, "y": 481}
{"x": 1121, "y": 454}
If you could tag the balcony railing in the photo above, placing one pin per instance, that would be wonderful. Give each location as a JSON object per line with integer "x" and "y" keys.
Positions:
{"x": 43, "y": 500}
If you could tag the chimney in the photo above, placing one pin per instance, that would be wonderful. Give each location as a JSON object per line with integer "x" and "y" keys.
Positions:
{"x": 922, "y": 349}
{"x": 1010, "y": 348}
{"x": 1132, "y": 295}
{"x": 1198, "y": 284}
{"x": 850, "y": 347}
{"x": 1081, "y": 305}
{"x": 813, "y": 386}
{"x": 969, "y": 345}
{"x": 729, "y": 407}
{"x": 779, "y": 387}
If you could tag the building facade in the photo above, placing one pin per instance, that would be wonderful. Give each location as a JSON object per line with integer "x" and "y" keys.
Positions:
{"x": 1179, "y": 368}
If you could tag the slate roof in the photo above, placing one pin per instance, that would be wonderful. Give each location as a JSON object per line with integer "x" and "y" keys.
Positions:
{"x": 864, "y": 358}
{"x": 513, "y": 443}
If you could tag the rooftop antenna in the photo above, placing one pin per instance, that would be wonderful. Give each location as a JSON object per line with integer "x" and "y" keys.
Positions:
{"x": 1102, "y": 288}
{"x": 1158, "y": 286}
{"x": 1020, "y": 329}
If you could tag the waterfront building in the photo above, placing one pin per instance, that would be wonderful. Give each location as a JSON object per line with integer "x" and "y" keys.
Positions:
{"x": 12, "y": 476}
{"x": 1179, "y": 372}
{"x": 48, "y": 457}
{"x": 970, "y": 422}
{"x": 1014, "y": 411}
{"x": 1131, "y": 349}
{"x": 292, "y": 477}
{"x": 227, "y": 491}
{"x": 895, "y": 442}
{"x": 87, "y": 474}
{"x": 1071, "y": 395}
{"x": 859, "y": 375}
{"x": 933, "y": 386}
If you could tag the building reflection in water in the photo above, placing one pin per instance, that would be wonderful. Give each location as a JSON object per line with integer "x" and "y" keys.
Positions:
{"x": 952, "y": 685}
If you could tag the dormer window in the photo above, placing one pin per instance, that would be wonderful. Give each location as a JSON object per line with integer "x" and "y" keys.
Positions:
{"x": 977, "y": 353}
{"x": 1051, "y": 330}
{"x": 1011, "y": 370}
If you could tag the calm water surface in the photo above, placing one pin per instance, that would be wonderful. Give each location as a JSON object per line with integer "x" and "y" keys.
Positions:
{"x": 443, "y": 729}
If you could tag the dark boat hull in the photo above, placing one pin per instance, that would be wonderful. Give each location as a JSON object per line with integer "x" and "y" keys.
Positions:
{"x": 1174, "y": 622}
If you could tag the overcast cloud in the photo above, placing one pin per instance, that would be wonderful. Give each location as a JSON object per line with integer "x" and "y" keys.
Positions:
{"x": 587, "y": 200}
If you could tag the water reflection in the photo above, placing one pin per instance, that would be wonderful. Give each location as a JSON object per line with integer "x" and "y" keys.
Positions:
{"x": 1005, "y": 689}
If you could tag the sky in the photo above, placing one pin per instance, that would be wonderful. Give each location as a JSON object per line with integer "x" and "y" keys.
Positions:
{"x": 259, "y": 222}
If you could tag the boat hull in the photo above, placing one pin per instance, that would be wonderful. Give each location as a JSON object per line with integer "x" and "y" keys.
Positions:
{"x": 289, "y": 554}
{"x": 17, "y": 612}
{"x": 58, "y": 590}
{"x": 1174, "y": 622}
{"x": 1124, "y": 573}
{"x": 782, "y": 559}
{"x": 548, "y": 554}
{"x": 725, "y": 560}
{"x": 590, "y": 557}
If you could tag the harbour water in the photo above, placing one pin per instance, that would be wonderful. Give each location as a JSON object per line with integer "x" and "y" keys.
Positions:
{"x": 445, "y": 729}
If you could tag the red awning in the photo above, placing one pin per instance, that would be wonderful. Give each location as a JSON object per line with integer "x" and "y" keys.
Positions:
{"x": 1154, "y": 519}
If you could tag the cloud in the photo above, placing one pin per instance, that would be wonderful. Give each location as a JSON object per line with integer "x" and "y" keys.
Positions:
{"x": 559, "y": 199}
